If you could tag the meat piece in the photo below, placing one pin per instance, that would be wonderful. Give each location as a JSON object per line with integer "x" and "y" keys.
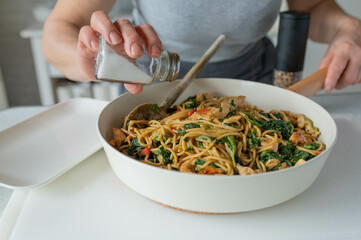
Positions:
{"x": 186, "y": 167}
{"x": 301, "y": 120}
{"x": 211, "y": 171}
{"x": 204, "y": 97}
{"x": 299, "y": 162}
{"x": 298, "y": 138}
{"x": 118, "y": 136}
{"x": 271, "y": 163}
{"x": 245, "y": 170}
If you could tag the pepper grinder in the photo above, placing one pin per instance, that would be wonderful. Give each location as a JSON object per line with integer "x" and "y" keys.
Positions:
{"x": 291, "y": 47}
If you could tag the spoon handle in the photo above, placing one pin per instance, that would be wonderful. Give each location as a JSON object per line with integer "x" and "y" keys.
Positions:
{"x": 310, "y": 85}
{"x": 193, "y": 72}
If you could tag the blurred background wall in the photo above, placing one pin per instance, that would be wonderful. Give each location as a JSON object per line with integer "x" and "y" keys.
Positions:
{"x": 16, "y": 59}
{"x": 18, "y": 83}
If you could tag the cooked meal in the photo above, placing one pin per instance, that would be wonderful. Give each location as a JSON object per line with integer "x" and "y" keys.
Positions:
{"x": 220, "y": 136}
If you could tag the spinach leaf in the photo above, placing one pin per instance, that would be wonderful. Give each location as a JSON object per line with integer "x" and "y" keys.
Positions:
{"x": 181, "y": 132}
{"x": 190, "y": 148}
{"x": 269, "y": 154}
{"x": 199, "y": 162}
{"x": 253, "y": 121}
{"x": 231, "y": 141}
{"x": 278, "y": 115}
{"x": 287, "y": 150}
{"x": 165, "y": 154}
{"x": 253, "y": 140}
{"x": 193, "y": 103}
{"x": 134, "y": 147}
{"x": 299, "y": 154}
{"x": 201, "y": 145}
{"x": 191, "y": 125}
{"x": 204, "y": 137}
{"x": 286, "y": 129}
{"x": 213, "y": 165}
{"x": 311, "y": 146}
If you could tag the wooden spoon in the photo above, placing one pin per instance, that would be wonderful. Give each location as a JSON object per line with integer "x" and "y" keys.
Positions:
{"x": 153, "y": 112}
{"x": 310, "y": 85}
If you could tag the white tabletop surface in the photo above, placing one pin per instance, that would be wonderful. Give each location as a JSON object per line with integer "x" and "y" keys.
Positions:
{"x": 9, "y": 117}
{"x": 335, "y": 104}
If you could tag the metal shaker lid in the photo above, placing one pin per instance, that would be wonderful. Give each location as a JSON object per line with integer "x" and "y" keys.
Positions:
{"x": 292, "y": 39}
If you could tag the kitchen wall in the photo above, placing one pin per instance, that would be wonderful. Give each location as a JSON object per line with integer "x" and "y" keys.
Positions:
{"x": 15, "y": 53}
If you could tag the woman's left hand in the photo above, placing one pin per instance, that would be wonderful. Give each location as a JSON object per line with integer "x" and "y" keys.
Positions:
{"x": 344, "y": 57}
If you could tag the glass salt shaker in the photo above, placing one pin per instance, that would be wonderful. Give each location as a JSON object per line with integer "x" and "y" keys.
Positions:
{"x": 112, "y": 66}
{"x": 291, "y": 47}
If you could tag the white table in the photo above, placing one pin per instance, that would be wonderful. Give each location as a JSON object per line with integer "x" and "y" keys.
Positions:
{"x": 9, "y": 117}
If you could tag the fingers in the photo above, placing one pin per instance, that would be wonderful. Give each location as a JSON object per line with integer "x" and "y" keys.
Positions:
{"x": 326, "y": 60}
{"x": 101, "y": 23}
{"x": 335, "y": 69}
{"x": 132, "y": 41}
{"x": 151, "y": 40}
{"x": 86, "y": 49}
{"x": 134, "y": 89}
{"x": 350, "y": 74}
{"x": 89, "y": 38}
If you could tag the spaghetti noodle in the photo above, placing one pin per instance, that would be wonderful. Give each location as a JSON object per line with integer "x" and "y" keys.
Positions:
{"x": 220, "y": 136}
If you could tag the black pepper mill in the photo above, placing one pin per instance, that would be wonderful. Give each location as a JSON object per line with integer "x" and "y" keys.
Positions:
{"x": 291, "y": 47}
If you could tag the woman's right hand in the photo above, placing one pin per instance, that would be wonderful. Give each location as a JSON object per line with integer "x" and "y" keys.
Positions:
{"x": 120, "y": 34}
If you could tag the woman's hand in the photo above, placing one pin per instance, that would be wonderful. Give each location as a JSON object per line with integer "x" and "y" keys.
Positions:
{"x": 344, "y": 57}
{"x": 120, "y": 34}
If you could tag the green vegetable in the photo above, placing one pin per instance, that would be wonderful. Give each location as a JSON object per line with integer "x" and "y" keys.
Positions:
{"x": 204, "y": 137}
{"x": 231, "y": 141}
{"x": 265, "y": 114}
{"x": 134, "y": 147}
{"x": 278, "y": 115}
{"x": 253, "y": 140}
{"x": 181, "y": 132}
{"x": 201, "y": 145}
{"x": 207, "y": 125}
{"x": 190, "y": 148}
{"x": 287, "y": 150}
{"x": 231, "y": 113}
{"x": 186, "y": 139}
{"x": 199, "y": 162}
{"x": 193, "y": 103}
{"x": 155, "y": 108}
{"x": 232, "y": 103}
{"x": 222, "y": 140}
{"x": 269, "y": 154}
{"x": 311, "y": 146}
{"x": 286, "y": 129}
{"x": 221, "y": 119}
{"x": 164, "y": 138}
{"x": 289, "y": 163}
{"x": 165, "y": 154}
{"x": 253, "y": 121}
{"x": 220, "y": 109}
{"x": 191, "y": 125}
{"x": 213, "y": 165}
{"x": 299, "y": 154}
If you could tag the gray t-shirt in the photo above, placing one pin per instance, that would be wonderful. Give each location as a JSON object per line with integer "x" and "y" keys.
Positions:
{"x": 188, "y": 27}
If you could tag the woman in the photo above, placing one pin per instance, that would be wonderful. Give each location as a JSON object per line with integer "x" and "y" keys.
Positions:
{"x": 188, "y": 27}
